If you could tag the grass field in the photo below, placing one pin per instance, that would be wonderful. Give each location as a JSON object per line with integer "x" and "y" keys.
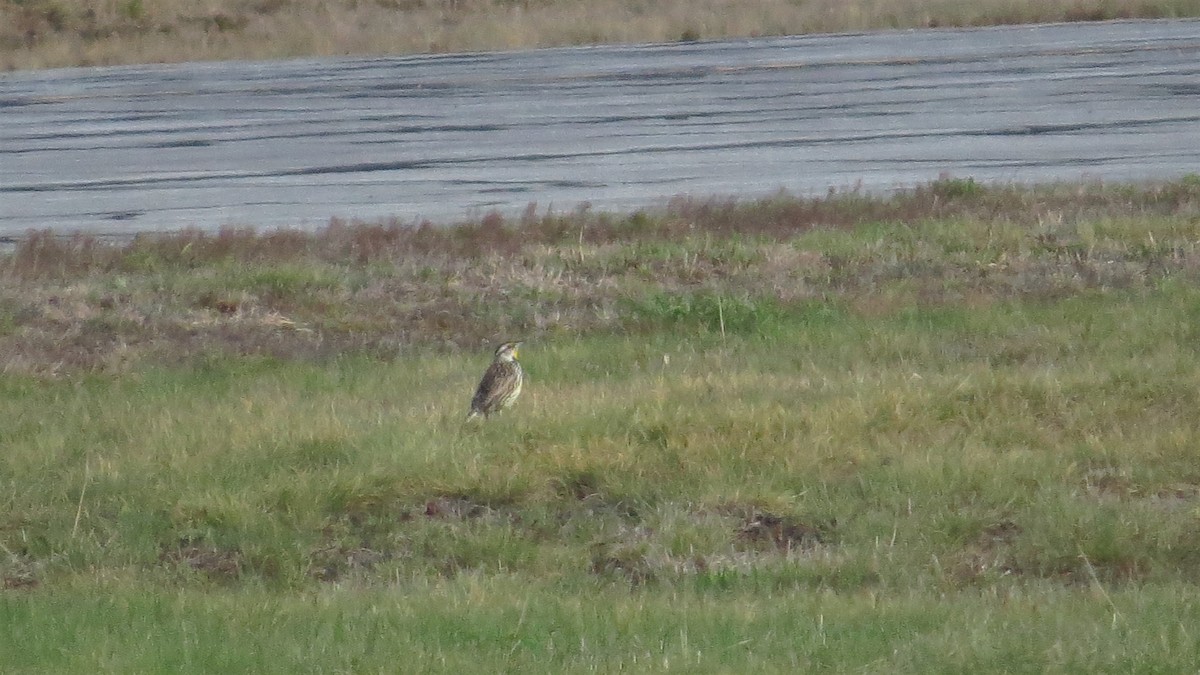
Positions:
{"x": 951, "y": 430}
{"x": 55, "y": 33}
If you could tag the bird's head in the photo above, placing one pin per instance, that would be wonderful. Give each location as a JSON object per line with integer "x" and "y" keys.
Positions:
{"x": 508, "y": 351}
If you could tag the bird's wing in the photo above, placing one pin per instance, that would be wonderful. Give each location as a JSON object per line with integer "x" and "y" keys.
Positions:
{"x": 487, "y": 392}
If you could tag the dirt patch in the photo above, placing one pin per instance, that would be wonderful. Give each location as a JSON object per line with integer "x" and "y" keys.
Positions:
{"x": 1176, "y": 496}
{"x": 455, "y": 508}
{"x": 1081, "y": 570}
{"x": 370, "y": 530}
{"x": 333, "y": 563}
{"x": 641, "y": 555}
{"x": 218, "y": 564}
{"x": 1110, "y": 483}
{"x": 1003, "y": 532}
{"x": 630, "y": 557}
{"x": 987, "y": 554}
{"x": 1118, "y": 485}
{"x": 374, "y": 514}
{"x": 579, "y": 486}
{"x": 1183, "y": 491}
{"x": 19, "y": 572}
{"x": 1121, "y": 570}
{"x": 995, "y": 553}
{"x": 781, "y": 532}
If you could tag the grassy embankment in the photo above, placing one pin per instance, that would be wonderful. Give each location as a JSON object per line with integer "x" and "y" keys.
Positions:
{"x": 948, "y": 431}
{"x": 54, "y": 33}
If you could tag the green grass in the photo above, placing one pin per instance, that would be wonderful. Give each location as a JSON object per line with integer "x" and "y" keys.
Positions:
{"x": 926, "y": 443}
{"x": 505, "y": 624}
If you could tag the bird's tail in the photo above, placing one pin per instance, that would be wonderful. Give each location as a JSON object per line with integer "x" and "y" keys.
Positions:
{"x": 474, "y": 414}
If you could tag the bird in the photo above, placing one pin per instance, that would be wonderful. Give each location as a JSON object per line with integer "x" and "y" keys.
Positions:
{"x": 501, "y": 383}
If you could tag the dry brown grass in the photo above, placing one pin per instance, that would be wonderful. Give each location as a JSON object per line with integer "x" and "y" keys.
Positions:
{"x": 71, "y": 304}
{"x": 55, "y": 33}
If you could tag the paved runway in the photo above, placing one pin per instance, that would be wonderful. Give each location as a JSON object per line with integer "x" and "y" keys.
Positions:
{"x": 128, "y": 149}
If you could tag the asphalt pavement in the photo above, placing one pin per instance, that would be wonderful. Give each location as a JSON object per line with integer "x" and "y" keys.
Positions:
{"x": 294, "y": 143}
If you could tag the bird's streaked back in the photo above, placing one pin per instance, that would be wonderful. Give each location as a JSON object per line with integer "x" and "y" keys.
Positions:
{"x": 501, "y": 383}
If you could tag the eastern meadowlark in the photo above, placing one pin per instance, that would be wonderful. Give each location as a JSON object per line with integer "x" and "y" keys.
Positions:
{"x": 501, "y": 383}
